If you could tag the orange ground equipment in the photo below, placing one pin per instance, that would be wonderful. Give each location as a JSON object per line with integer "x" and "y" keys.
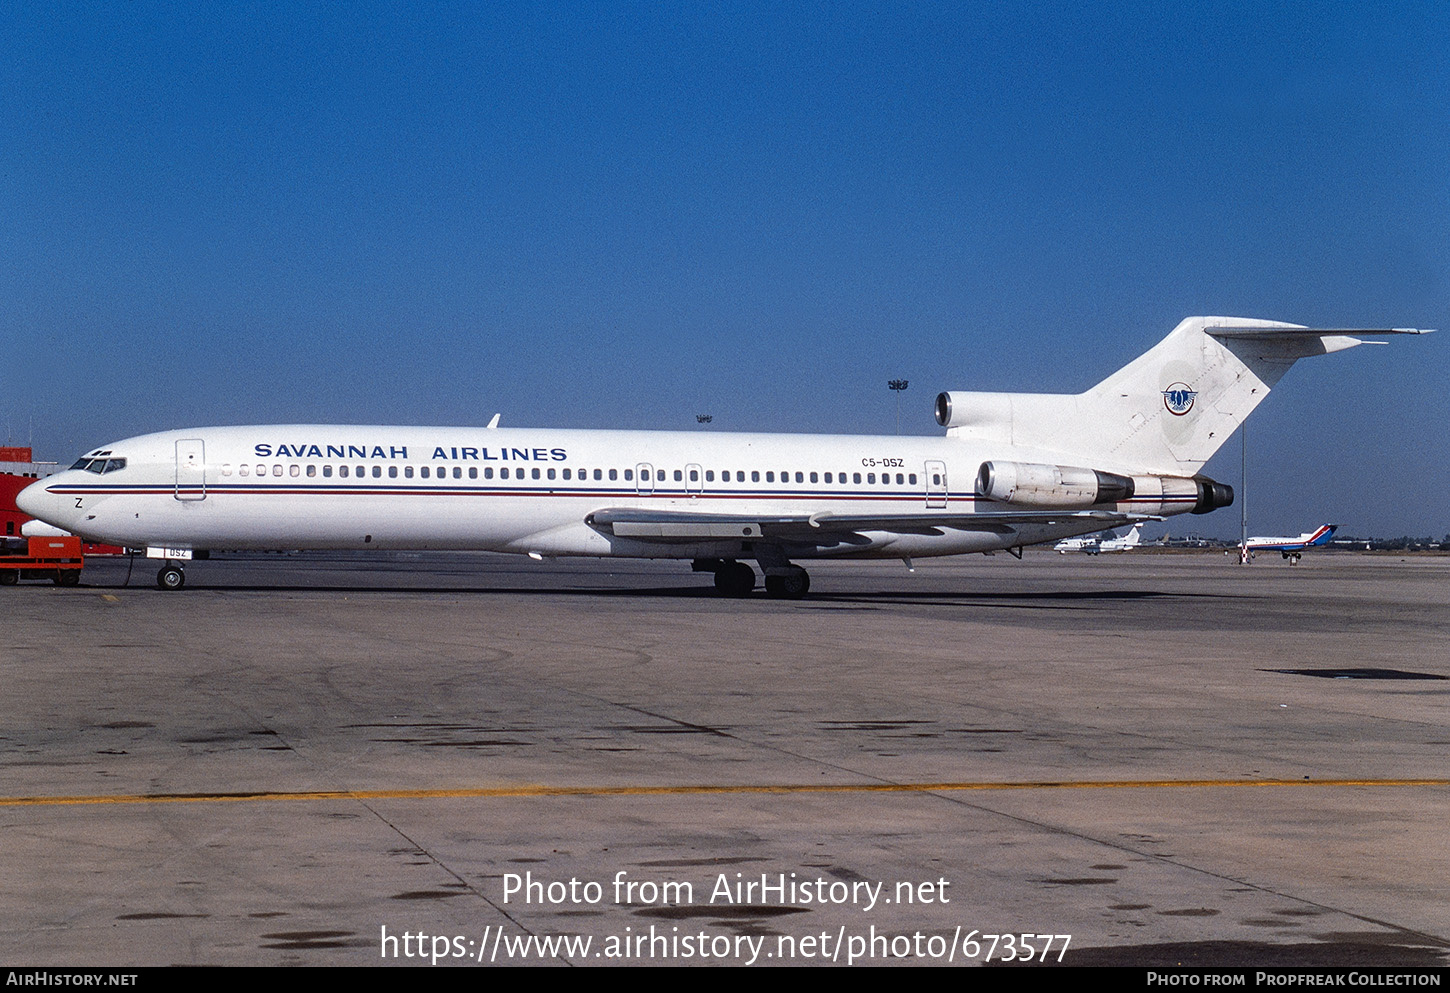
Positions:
{"x": 57, "y": 559}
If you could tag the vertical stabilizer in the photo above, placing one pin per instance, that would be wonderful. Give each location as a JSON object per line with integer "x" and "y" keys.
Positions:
{"x": 1167, "y": 411}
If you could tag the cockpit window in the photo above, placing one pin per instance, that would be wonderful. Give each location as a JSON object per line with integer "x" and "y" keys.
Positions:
{"x": 100, "y": 466}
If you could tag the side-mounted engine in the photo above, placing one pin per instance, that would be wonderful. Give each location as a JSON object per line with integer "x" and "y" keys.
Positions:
{"x": 1062, "y": 487}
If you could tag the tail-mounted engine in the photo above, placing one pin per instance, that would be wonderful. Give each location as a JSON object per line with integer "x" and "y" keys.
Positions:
{"x": 1060, "y": 487}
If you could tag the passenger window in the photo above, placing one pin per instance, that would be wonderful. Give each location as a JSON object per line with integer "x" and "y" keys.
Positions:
{"x": 566, "y": 474}
{"x": 407, "y": 472}
{"x": 855, "y": 477}
{"x": 911, "y": 479}
{"x": 800, "y": 477}
{"x": 342, "y": 471}
{"x": 241, "y": 470}
{"x": 628, "y": 475}
{"x": 770, "y": 477}
{"x": 900, "y": 479}
{"x": 871, "y": 477}
{"x": 473, "y": 472}
{"x": 709, "y": 475}
{"x": 551, "y": 473}
{"x": 694, "y": 475}
{"x": 276, "y": 470}
{"x": 362, "y": 470}
{"x": 828, "y": 477}
{"x": 535, "y": 474}
{"x": 392, "y": 472}
{"x": 755, "y": 475}
{"x": 326, "y": 471}
{"x": 488, "y": 472}
{"x": 503, "y": 473}
{"x": 422, "y": 471}
{"x": 680, "y": 476}
{"x": 377, "y": 472}
{"x": 598, "y": 473}
{"x": 813, "y": 478}
{"x": 613, "y": 473}
{"x": 295, "y": 470}
{"x": 458, "y": 472}
{"x": 311, "y": 471}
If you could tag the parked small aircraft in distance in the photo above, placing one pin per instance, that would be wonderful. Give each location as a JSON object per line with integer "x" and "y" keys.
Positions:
{"x": 1098, "y": 545}
{"x": 1012, "y": 469}
{"x": 1292, "y": 548}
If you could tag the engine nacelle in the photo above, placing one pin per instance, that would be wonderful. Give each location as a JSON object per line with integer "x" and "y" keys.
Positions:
{"x": 1056, "y": 487}
{"x": 1212, "y": 495}
{"x": 984, "y": 411}
{"x": 1061, "y": 487}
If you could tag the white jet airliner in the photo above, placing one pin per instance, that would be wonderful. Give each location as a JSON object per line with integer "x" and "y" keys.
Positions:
{"x": 1098, "y": 545}
{"x": 1013, "y": 469}
{"x": 1292, "y": 548}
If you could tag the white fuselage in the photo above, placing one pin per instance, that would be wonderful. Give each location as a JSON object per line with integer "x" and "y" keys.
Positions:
{"x": 518, "y": 490}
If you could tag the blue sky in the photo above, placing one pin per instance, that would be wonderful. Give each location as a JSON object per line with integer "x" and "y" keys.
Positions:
{"x": 623, "y": 215}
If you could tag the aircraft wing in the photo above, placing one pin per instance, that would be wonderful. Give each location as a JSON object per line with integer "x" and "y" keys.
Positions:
{"x": 829, "y": 528}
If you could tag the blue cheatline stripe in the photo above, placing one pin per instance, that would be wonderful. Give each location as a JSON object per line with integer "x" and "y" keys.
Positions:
{"x": 532, "y": 491}
{"x": 338, "y": 489}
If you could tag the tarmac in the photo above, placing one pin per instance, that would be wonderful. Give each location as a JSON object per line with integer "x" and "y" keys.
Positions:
{"x": 470, "y": 759}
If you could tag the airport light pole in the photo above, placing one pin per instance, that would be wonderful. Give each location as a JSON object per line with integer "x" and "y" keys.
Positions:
{"x": 896, "y": 386}
{"x": 1244, "y": 495}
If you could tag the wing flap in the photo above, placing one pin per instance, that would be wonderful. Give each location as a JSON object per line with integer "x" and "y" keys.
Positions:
{"x": 826, "y": 527}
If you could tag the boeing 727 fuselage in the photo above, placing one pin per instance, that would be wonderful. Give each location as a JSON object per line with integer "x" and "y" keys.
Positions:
{"x": 1011, "y": 470}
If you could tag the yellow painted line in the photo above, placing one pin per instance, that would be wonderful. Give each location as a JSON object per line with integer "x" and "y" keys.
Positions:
{"x": 503, "y": 792}
{"x": 113, "y": 599}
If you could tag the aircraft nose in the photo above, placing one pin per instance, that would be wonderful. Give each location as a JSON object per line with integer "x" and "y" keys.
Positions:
{"x": 40, "y": 503}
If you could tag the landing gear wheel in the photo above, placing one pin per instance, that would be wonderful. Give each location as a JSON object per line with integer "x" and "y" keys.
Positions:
{"x": 170, "y": 578}
{"x": 735, "y": 579}
{"x": 790, "y": 586}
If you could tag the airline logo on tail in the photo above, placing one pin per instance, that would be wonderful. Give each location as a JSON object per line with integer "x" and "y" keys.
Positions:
{"x": 1178, "y": 398}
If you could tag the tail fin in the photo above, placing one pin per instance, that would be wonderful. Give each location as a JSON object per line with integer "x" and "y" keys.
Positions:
{"x": 1132, "y": 539}
{"x": 1168, "y": 410}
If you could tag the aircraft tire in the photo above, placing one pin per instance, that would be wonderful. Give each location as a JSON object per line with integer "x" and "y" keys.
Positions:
{"x": 735, "y": 579}
{"x": 170, "y": 578}
{"x": 791, "y": 586}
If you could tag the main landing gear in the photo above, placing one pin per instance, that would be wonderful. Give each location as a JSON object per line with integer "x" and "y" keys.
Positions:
{"x": 782, "y": 579}
{"x": 792, "y": 584}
